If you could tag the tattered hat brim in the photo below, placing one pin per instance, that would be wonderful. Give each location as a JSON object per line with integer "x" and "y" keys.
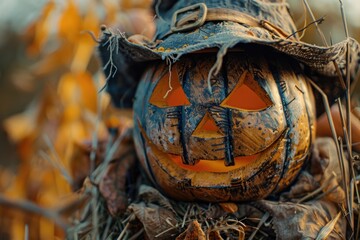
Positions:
{"x": 226, "y": 35}
{"x": 324, "y": 63}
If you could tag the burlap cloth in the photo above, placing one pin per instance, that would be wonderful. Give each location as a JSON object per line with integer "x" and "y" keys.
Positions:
{"x": 312, "y": 208}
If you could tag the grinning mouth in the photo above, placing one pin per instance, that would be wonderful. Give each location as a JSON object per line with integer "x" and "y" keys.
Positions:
{"x": 209, "y": 165}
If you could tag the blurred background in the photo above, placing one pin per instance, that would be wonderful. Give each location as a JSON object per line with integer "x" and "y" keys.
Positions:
{"x": 50, "y": 77}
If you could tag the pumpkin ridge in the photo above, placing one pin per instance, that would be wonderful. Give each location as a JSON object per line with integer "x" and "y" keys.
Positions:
{"x": 282, "y": 85}
{"x": 229, "y": 143}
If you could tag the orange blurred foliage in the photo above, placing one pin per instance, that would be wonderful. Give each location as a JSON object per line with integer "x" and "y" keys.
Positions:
{"x": 67, "y": 113}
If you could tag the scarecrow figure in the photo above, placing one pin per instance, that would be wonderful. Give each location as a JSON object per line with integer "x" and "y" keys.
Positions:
{"x": 224, "y": 123}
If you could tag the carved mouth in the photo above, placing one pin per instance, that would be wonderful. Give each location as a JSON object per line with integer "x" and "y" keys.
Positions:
{"x": 210, "y": 165}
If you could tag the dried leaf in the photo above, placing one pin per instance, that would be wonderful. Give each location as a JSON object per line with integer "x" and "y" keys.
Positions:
{"x": 112, "y": 188}
{"x": 82, "y": 56}
{"x": 20, "y": 126}
{"x": 328, "y": 228}
{"x": 296, "y": 221}
{"x": 193, "y": 232}
{"x": 86, "y": 45}
{"x": 215, "y": 235}
{"x": 79, "y": 161}
{"x": 151, "y": 195}
{"x": 55, "y": 61}
{"x": 158, "y": 222}
{"x": 113, "y": 183}
{"x": 229, "y": 207}
{"x": 77, "y": 91}
{"x": 27, "y": 124}
{"x": 40, "y": 29}
{"x": 69, "y": 26}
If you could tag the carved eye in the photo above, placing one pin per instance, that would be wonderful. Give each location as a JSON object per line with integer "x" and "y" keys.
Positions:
{"x": 169, "y": 92}
{"x": 247, "y": 95}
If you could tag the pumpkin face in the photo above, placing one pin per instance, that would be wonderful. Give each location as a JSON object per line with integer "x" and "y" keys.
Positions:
{"x": 246, "y": 138}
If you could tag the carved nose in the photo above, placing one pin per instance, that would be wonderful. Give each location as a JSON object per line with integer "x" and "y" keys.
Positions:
{"x": 207, "y": 128}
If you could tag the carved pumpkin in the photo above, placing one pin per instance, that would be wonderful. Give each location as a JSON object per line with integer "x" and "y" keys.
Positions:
{"x": 244, "y": 140}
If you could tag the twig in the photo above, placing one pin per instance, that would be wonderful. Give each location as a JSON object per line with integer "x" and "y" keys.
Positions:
{"x": 26, "y": 232}
{"x": 348, "y": 104}
{"x": 348, "y": 143}
{"x": 344, "y": 18}
{"x": 94, "y": 143}
{"x": 185, "y": 215}
{"x": 137, "y": 234}
{"x": 348, "y": 85}
{"x": 167, "y": 230}
{"x": 100, "y": 171}
{"x": 356, "y": 81}
{"x": 327, "y": 192}
{"x": 317, "y": 21}
{"x": 332, "y": 127}
{"x": 328, "y": 113}
{"x": 262, "y": 221}
{"x": 55, "y": 160}
{"x": 122, "y": 234}
{"x": 30, "y": 207}
{"x": 346, "y": 181}
{"x": 318, "y": 190}
{"x": 316, "y": 24}
{"x": 95, "y": 216}
{"x": 325, "y": 43}
{"x": 305, "y": 21}
{"x": 108, "y": 223}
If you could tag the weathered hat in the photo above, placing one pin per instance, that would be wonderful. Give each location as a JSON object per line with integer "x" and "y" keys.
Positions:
{"x": 187, "y": 26}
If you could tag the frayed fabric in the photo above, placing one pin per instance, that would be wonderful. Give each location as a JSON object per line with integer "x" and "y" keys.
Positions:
{"x": 267, "y": 26}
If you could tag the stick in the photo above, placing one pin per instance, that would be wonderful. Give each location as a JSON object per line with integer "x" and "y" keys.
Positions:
{"x": 30, "y": 207}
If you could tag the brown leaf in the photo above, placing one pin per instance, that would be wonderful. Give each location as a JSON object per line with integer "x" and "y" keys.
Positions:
{"x": 229, "y": 207}
{"x": 80, "y": 161}
{"x": 77, "y": 91}
{"x": 151, "y": 195}
{"x": 215, "y": 235}
{"x": 328, "y": 228}
{"x": 158, "y": 222}
{"x": 113, "y": 184}
{"x": 193, "y": 232}
{"x": 28, "y": 123}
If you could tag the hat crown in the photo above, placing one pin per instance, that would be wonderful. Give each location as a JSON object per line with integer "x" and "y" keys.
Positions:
{"x": 273, "y": 11}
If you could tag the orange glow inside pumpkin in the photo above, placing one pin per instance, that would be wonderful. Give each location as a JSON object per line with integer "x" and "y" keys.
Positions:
{"x": 168, "y": 92}
{"x": 247, "y": 95}
{"x": 205, "y": 165}
{"x": 207, "y": 128}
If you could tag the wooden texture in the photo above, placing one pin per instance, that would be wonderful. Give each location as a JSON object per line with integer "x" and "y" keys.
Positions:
{"x": 245, "y": 140}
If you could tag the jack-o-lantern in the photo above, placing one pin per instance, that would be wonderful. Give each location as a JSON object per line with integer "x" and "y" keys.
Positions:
{"x": 223, "y": 110}
{"x": 246, "y": 138}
